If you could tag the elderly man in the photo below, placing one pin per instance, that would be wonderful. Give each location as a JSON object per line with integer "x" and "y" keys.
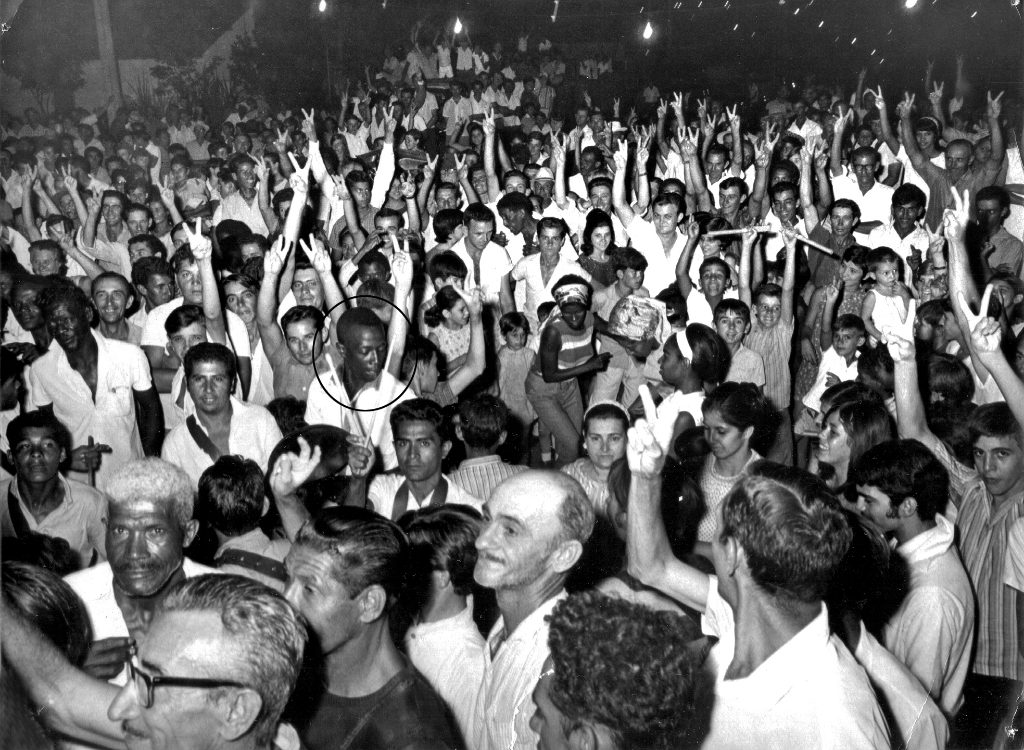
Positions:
{"x": 149, "y": 524}
{"x": 588, "y": 694}
{"x": 214, "y": 672}
{"x": 222, "y": 425}
{"x": 781, "y": 677}
{"x": 345, "y": 571}
{"x": 97, "y": 387}
{"x": 40, "y": 500}
{"x": 536, "y": 525}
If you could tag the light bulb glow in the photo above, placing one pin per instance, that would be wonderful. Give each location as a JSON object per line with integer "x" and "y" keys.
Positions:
{"x": 458, "y": 26}
{"x": 648, "y": 31}
{"x": 910, "y": 4}
{"x": 322, "y": 6}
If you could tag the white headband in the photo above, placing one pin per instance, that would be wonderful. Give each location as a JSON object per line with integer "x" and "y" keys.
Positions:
{"x": 684, "y": 345}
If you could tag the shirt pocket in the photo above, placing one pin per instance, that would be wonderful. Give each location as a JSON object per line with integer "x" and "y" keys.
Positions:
{"x": 116, "y": 398}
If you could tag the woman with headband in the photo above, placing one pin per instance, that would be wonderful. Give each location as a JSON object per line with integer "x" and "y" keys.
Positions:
{"x": 566, "y": 352}
{"x": 604, "y": 439}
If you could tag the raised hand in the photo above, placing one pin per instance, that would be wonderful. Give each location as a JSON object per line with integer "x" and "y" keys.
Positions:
{"x": 428, "y": 170}
{"x": 692, "y": 229}
{"x": 292, "y": 471}
{"x": 772, "y": 138}
{"x": 299, "y": 180}
{"x": 408, "y": 183}
{"x": 318, "y": 256}
{"x": 648, "y": 439}
{"x": 986, "y": 333}
{"x": 92, "y": 205}
{"x": 936, "y": 96}
{"x": 273, "y": 262}
{"x": 662, "y": 109}
{"x": 955, "y": 105}
{"x": 904, "y": 108}
{"x": 69, "y": 181}
{"x": 879, "y": 99}
{"x": 262, "y": 171}
{"x": 281, "y": 144}
{"x": 474, "y": 300}
{"x": 899, "y": 338}
{"x": 488, "y": 123}
{"x": 734, "y": 119}
{"x": 587, "y": 99}
{"x": 955, "y": 220}
{"x": 995, "y": 107}
{"x": 200, "y": 244}
{"x": 621, "y": 155}
{"x": 789, "y": 237}
{"x": 360, "y": 456}
{"x": 401, "y": 268}
{"x": 461, "y": 168}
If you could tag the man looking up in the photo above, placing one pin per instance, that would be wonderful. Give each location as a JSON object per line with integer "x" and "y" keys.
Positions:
{"x": 97, "y": 387}
{"x": 214, "y": 672}
{"x": 345, "y": 571}
{"x": 780, "y": 536}
{"x": 536, "y": 524}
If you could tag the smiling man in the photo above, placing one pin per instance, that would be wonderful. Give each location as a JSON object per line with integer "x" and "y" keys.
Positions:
{"x": 222, "y": 425}
{"x": 98, "y": 388}
{"x": 112, "y": 295}
{"x": 214, "y": 672}
{"x": 536, "y": 524}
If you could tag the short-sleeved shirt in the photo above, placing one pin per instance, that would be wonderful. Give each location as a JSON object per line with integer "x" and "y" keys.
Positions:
{"x": 661, "y": 268}
{"x": 239, "y": 209}
{"x": 746, "y": 366}
{"x": 253, "y": 434}
{"x": 155, "y": 334}
{"x": 774, "y": 345}
{"x": 384, "y": 487}
{"x": 121, "y": 370}
{"x": 528, "y": 270}
{"x": 81, "y": 518}
{"x": 1009, "y": 251}
{"x": 494, "y": 264}
{"x": 874, "y": 205}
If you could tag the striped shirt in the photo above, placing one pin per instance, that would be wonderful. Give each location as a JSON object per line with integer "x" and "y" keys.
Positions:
{"x": 577, "y": 346}
{"x": 479, "y": 476}
{"x": 984, "y": 545}
{"x": 774, "y": 345}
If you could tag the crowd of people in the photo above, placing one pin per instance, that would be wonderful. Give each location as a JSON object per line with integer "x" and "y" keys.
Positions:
{"x": 490, "y": 411}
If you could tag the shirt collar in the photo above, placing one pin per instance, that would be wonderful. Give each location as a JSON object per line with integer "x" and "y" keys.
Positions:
{"x": 482, "y": 461}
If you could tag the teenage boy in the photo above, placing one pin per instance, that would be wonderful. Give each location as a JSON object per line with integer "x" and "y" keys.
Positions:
{"x": 838, "y": 362}
{"x": 999, "y": 249}
{"x": 771, "y": 333}
{"x": 482, "y": 428}
{"x": 712, "y": 286}
{"x": 623, "y": 370}
{"x": 732, "y": 321}
{"x": 153, "y": 279}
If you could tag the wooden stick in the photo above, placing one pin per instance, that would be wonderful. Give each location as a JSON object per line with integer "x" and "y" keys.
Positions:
{"x": 817, "y": 246}
{"x": 727, "y": 232}
{"x": 92, "y": 471}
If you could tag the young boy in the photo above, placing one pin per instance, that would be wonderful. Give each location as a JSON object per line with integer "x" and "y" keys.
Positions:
{"x": 838, "y": 362}
{"x": 732, "y": 321}
{"x": 771, "y": 335}
{"x": 623, "y": 370}
{"x": 713, "y": 287}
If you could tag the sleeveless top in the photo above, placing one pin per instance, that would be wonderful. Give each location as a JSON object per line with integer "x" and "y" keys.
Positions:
{"x": 577, "y": 346}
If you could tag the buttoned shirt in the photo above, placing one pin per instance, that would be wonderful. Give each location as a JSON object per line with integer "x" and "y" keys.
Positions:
{"x": 253, "y": 434}
{"x": 494, "y": 264}
{"x": 81, "y": 518}
{"x": 661, "y": 267}
{"x": 874, "y": 205}
{"x": 479, "y": 476}
{"x": 327, "y": 393}
{"x": 1009, "y": 251}
{"x": 121, "y": 370}
{"x": 987, "y": 554}
{"x": 449, "y": 653}
{"x": 258, "y": 543}
{"x": 887, "y": 236}
{"x": 504, "y": 703}
{"x": 528, "y": 271}
{"x": 809, "y": 694}
{"x": 111, "y": 255}
{"x": 238, "y": 208}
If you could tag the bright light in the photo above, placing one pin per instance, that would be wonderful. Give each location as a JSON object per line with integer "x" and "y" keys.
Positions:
{"x": 910, "y": 3}
{"x": 648, "y": 31}
{"x": 458, "y": 26}
{"x": 322, "y": 6}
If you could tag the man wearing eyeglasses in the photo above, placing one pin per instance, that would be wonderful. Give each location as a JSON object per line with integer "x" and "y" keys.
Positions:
{"x": 214, "y": 671}
{"x": 149, "y": 525}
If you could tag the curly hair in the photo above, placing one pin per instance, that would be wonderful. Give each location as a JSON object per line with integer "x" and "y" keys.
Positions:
{"x": 623, "y": 666}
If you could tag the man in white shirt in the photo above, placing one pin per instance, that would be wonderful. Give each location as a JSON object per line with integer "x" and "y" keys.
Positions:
{"x": 148, "y": 528}
{"x": 903, "y": 234}
{"x": 457, "y": 110}
{"x": 536, "y": 524}
{"x": 356, "y": 394}
{"x": 781, "y": 679}
{"x": 902, "y": 490}
{"x": 221, "y": 425}
{"x": 417, "y": 425}
{"x": 244, "y": 205}
{"x": 486, "y": 261}
{"x": 872, "y": 197}
{"x": 98, "y": 388}
{"x": 804, "y": 127}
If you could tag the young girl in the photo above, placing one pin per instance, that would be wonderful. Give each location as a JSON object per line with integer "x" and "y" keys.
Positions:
{"x": 449, "y": 323}
{"x": 515, "y": 359}
{"x": 886, "y": 304}
{"x": 694, "y": 359}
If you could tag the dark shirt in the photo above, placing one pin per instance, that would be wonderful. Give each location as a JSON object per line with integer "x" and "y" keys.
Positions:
{"x": 403, "y": 713}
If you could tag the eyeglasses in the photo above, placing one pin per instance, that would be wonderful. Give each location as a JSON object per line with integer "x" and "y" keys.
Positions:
{"x": 146, "y": 683}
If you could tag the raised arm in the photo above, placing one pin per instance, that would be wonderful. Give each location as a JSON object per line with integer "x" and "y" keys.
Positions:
{"x": 883, "y": 119}
{"x": 202, "y": 250}
{"x": 271, "y": 336}
{"x": 619, "y": 201}
{"x": 995, "y": 160}
{"x": 749, "y": 237}
{"x": 836, "y": 150}
{"x": 425, "y": 184}
{"x": 825, "y": 195}
{"x": 683, "y": 265}
{"x": 961, "y": 282}
{"x": 558, "y": 161}
{"x": 386, "y": 165}
{"x": 697, "y": 180}
{"x": 986, "y": 338}
{"x": 935, "y": 97}
{"x": 321, "y": 262}
{"x": 789, "y": 274}
{"x": 649, "y": 556}
{"x": 910, "y": 415}
{"x": 493, "y": 183}
{"x": 476, "y": 361}
{"x": 811, "y": 219}
{"x": 263, "y": 192}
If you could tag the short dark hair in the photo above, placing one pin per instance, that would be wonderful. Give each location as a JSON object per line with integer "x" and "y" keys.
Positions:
{"x": 477, "y": 212}
{"x": 513, "y": 321}
{"x": 231, "y": 495}
{"x": 790, "y": 528}
{"x": 49, "y": 602}
{"x": 146, "y": 268}
{"x": 482, "y": 419}
{"x": 902, "y": 469}
{"x": 367, "y": 548}
{"x": 850, "y": 322}
{"x": 154, "y": 245}
{"x": 38, "y": 420}
{"x": 445, "y": 265}
{"x": 445, "y": 222}
{"x": 183, "y": 317}
{"x": 418, "y": 410}
{"x": 629, "y": 257}
{"x": 302, "y": 312}
{"x": 210, "y": 352}
{"x": 515, "y": 202}
{"x": 908, "y": 193}
{"x": 994, "y": 420}
{"x": 734, "y": 306}
{"x": 846, "y": 203}
{"x": 994, "y": 193}
{"x": 444, "y": 538}
{"x": 65, "y": 294}
{"x": 599, "y": 644}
